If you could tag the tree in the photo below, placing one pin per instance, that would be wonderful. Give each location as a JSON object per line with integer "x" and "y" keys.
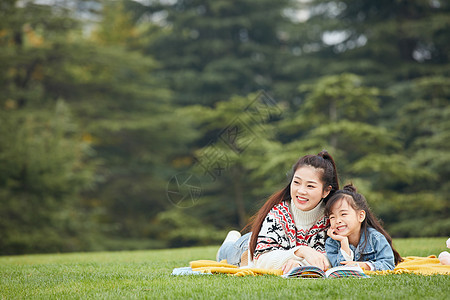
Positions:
{"x": 211, "y": 50}
{"x": 389, "y": 46}
{"x": 43, "y": 171}
{"x": 43, "y": 155}
{"x": 425, "y": 129}
{"x": 136, "y": 129}
{"x": 398, "y": 40}
{"x": 119, "y": 108}
{"x": 239, "y": 134}
{"x": 401, "y": 48}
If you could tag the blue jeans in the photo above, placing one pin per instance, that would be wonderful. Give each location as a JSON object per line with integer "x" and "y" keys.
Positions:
{"x": 232, "y": 251}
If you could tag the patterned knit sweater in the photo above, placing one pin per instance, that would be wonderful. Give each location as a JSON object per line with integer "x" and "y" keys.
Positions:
{"x": 284, "y": 230}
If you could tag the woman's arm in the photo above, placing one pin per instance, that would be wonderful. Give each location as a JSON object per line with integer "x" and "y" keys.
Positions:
{"x": 276, "y": 244}
{"x": 276, "y": 259}
{"x": 287, "y": 259}
{"x": 313, "y": 257}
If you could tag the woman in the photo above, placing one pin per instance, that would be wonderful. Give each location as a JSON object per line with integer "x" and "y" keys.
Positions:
{"x": 290, "y": 228}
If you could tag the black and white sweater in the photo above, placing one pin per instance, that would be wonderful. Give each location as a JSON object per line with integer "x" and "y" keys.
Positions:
{"x": 284, "y": 230}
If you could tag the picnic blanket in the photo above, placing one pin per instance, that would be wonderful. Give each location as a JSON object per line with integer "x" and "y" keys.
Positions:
{"x": 418, "y": 265}
{"x": 412, "y": 264}
{"x": 213, "y": 267}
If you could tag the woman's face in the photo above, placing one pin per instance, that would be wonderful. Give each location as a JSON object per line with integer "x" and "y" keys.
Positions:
{"x": 307, "y": 188}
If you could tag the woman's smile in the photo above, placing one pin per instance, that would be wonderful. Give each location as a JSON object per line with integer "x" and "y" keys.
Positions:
{"x": 302, "y": 199}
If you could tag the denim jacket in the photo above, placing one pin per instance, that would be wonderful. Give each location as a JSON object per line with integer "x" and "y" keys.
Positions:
{"x": 377, "y": 251}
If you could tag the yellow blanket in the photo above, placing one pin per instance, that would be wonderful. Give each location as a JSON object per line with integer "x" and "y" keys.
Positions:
{"x": 412, "y": 264}
{"x": 210, "y": 266}
{"x": 418, "y": 265}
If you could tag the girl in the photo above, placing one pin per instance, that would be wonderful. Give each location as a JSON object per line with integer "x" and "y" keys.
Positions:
{"x": 290, "y": 229}
{"x": 356, "y": 235}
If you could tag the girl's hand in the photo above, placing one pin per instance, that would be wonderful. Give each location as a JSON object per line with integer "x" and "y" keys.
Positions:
{"x": 363, "y": 265}
{"x": 340, "y": 238}
{"x": 334, "y": 236}
{"x": 313, "y": 257}
{"x": 289, "y": 265}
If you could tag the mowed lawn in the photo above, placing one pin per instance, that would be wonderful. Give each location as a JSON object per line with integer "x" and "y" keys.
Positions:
{"x": 146, "y": 274}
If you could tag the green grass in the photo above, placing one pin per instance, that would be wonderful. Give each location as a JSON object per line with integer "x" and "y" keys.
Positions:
{"x": 146, "y": 274}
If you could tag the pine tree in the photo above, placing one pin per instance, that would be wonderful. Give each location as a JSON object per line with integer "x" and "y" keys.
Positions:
{"x": 215, "y": 49}
{"x": 119, "y": 109}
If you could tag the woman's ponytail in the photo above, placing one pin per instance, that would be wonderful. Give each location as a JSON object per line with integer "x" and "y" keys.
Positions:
{"x": 349, "y": 188}
{"x": 330, "y": 176}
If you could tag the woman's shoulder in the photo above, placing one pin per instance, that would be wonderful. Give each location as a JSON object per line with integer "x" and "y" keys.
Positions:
{"x": 282, "y": 207}
{"x": 280, "y": 213}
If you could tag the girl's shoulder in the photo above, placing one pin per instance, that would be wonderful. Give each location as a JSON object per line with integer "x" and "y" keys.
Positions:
{"x": 373, "y": 231}
{"x": 375, "y": 234}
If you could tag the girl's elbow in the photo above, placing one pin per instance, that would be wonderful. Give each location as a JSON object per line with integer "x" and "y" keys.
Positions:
{"x": 384, "y": 266}
{"x": 331, "y": 260}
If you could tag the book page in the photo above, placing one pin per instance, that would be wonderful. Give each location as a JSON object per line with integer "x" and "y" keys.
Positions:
{"x": 305, "y": 272}
{"x": 346, "y": 271}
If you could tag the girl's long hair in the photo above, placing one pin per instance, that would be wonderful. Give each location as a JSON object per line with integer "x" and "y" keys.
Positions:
{"x": 359, "y": 202}
{"x": 322, "y": 161}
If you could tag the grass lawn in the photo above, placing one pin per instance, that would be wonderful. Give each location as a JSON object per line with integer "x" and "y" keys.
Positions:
{"x": 146, "y": 274}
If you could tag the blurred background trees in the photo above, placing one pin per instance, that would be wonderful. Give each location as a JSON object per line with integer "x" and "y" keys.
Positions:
{"x": 141, "y": 124}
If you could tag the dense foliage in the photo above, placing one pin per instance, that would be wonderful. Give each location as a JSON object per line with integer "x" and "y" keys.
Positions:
{"x": 144, "y": 124}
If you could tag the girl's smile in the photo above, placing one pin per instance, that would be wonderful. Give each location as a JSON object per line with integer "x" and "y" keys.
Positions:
{"x": 341, "y": 228}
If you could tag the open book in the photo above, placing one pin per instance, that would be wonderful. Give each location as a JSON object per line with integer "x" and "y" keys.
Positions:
{"x": 336, "y": 272}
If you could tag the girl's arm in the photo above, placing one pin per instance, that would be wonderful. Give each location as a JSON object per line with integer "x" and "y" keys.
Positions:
{"x": 338, "y": 257}
{"x": 334, "y": 253}
{"x": 343, "y": 240}
{"x": 384, "y": 256}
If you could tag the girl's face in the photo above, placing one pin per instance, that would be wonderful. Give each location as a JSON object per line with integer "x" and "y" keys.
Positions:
{"x": 345, "y": 220}
{"x": 307, "y": 188}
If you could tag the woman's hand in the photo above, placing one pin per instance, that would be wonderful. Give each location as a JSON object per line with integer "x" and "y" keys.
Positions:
{"x": 289, "y": 265}
{"x": 313, "y": 257}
